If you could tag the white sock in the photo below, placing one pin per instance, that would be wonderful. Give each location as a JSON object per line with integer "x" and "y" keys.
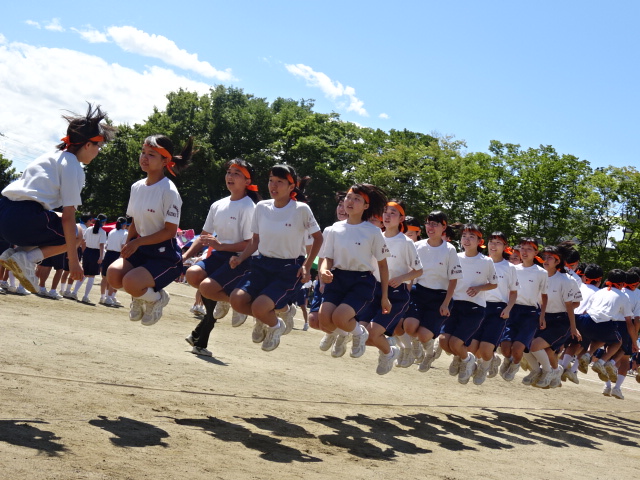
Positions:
{"x": 533, "y": 361}
{"x": 341, "y": 332}
{"x": 12, "y": 279}
{"x": 607, "y": 384}
{"x": 405, "y": 340}
{"x": 359, "y": 330}
{"x": 35, "y": 255}
{"x": 89, "y": 286}
{"x": 150, "y": 295}
{"x": 78, "y": 285}
{"x": 566, "y": 360}
{"x": 574, "y": 367}
{"x": 620, "y": 380}
{"x": 277, "y": 325}
{"x": 543, "y": 359}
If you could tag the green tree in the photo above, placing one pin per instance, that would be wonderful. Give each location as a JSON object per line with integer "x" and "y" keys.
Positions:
{"x": 7, "y": 172}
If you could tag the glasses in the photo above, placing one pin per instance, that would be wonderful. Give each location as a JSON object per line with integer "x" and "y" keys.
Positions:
{"x": 433, "y": 224}
{"x": 99, "y": 145}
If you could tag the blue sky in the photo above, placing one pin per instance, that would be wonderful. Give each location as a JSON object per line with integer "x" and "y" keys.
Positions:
{"x": 553, "y": 73}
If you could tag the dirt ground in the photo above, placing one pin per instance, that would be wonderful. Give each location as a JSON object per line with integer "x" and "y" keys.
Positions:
{"x": 87, "y": 394}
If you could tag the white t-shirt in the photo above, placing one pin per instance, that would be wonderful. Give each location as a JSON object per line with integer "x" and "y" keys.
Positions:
{"x": 507, "y": 282}
{"x": 533, "y": 283}
{"x": 116, "y": 239}
{"x": 560, "y": 289}
{"x": 476, "y": 271}
{"x": 440, "y": 265}
{"x": 586, "y": 290}
{"x": 403, "y": 256}
{"x": 53, "y": 180}
{"x": 619, "y": 317}
{"x": 230, "y": 220}
{"x": 283, "y": 230}
{"x": 93, "y": 240}
{"x": 151, "y": 206}
{"x": 356, "y": 248}
{"x": 634, "y": 297}
{"x": 606, "y": 305}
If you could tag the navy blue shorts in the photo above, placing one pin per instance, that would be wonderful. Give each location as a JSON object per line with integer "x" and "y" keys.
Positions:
{"x": 591, "y": 331}
{"x": 316, "y": 300}
{"x": 4, "y": 245}
{"x": 355, "y": 289}
{"x": 110, "y": 256}
{"x": 464, "y": 321}
{"x": 217, "y": 268}
{"x": 56, "y": 262}
{"x": 492, "y": 326}
{"x": 627, "y": 343}
{"x": 90, "y": 259}
{"x": 558, "y": 329}
{"x": 302, "y": 296}
{"x": 274, "y": 277}
{"x": 400, "y": 299}
{"x": 28, "y": 224}
{"x": 425, "y": 307}
{"x": 162, "y": 260}
{"x": 522, "y": 324}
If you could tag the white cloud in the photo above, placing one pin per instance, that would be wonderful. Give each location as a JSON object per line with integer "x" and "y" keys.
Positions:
{"x": 131, "y": 39}
{"x": 31, "y": 23}
{"x": 92, "y": 36}
{"x": 54, "y": 25}
{"x": 332, "y": 90}
{"x": 32, "y": 103}
{"x": 3, "y": 39}
{"x": 383, "y": 115}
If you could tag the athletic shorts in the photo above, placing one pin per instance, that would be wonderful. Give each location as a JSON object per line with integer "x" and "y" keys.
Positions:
{"x": 66, "y": 259}
{"x": 56, "y": 262}
{"x": 162, "y": 260}
{"x": 399, "y": 298}
{"x": 557, "y": 331}
{"x": 464, "y": 321}
{"x": 492, "y": 326}
{"x": 217, "y": 268}
{"x": 627, "y": 343}
{"x": 275, "y": 278}
{"x": 28, "y": 224}
{"x": 352, "y": 288}
{"x": 591, "y": 331}
{"x": 425, "y": 306}
{"x": 90, "y": 265}
{"x": 110, "y": 256}
{"x": 316, "y": 300}
{"x": 522, "y": 325}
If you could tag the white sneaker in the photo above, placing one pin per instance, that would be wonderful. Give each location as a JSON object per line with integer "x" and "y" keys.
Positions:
{"x": 101, "y": 301}
{"x": 66, "y": 293}
{"x": 12, "y": 289}
{"x": 556, "y": 378}
{"x": 599, "y": 368}
{"x": 524, "y": 364}
{"x": 406, "y": 357}
{"x": 108, "y": 302}
{"x": 22, "y": 291}
{"x": 572, "y": 376}
{"x": 612, "y": 371}
{"x": 116, "y": 302}
{"x": 511, "y": 371}
{"x": 480, "y": 375}
{"x": 287, "y": 317}
{"x": 153, "y": 310}
{"x": 327, "y": 341}
{"x": 466, "y": 369}
{"x": 221, "y": 309}
{"x": 190, "y": 340}
{"x": 454, "y": 367}
{"x": 272, "y": 336}
{"x": 238, "y": 319}
{"x": 505, "y": 366}
{"x": 417, "y": 350}
{"x": 583, "y": 363}
{"x": 86, "y": 299}
{"x": 544, "y": 379}
{"x": 72, "y": 296}
{"x": 136, "y": 309}
{"x": 23, "y": 269}
{"x": 385, "y": 363}
{"x": 494, "y": 367}
{"x": 305, "y": 327}
{"x": 427, "y": 360}
{"x": 194, "y": 309}
{"x": 606, "y": 391}
{"x": 617, "y": 392}
{"x": 3, "y": 262}
{"x": 532, "y": 376}
{"x": 258, "y": 334}
{"x": 339, "y": 347}
{"x": 42, "y": 292}
{"x": 53, "y": 294}
{"x": 4, "y": 284}
{"x": 359, "y": 344}
{"x": 201, "y": 351}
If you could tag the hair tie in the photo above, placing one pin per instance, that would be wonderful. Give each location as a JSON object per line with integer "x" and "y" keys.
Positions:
{"x": 253, "y": 188}
{"x": 593, "y": 281}
{"x": 614, "y": 285}
{"x": 508, "y": 250}
{"x": 539, "y": 259}
{"x": 246, "y": 174}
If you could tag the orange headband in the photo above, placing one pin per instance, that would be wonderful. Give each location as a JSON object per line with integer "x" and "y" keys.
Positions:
{"x": 293, "y": 193}
{"x": 571, "y": 265}
{"x": 97, "y": 138}
{"x": 247, "y": 175}
{"x": 164, "y": 153}
{"x": 593, "y": 280}
{"x": 397, "y": 207}
{"x": 632, "y": 286}
{"x": 413, "y": 228}
{"x": 532, "y": 244}
{"x": 478, "y": 234}
{"x": 508, "y": 250}
{"x": 557, "y": 257}
{"x": 614, "y": 285}
{"x": 363, "y": 195}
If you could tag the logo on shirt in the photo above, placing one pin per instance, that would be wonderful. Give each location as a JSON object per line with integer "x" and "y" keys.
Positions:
{"x": 172, "y": 213}
{"x": 288, "y": 225}
{"x": 151, "y": 210}
{"x": 233, "y": 218}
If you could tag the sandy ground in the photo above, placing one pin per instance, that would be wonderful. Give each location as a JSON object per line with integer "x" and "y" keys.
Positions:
{"x": 87, "y": 394}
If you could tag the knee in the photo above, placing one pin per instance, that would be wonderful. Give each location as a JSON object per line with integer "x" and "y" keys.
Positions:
{"x": 195, "y": 276}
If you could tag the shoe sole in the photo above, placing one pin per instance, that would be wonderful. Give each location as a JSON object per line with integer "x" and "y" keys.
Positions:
{"x": 19, "y": 274}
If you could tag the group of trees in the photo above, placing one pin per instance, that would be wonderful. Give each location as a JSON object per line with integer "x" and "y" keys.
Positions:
{"x": 534, "y": 192}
